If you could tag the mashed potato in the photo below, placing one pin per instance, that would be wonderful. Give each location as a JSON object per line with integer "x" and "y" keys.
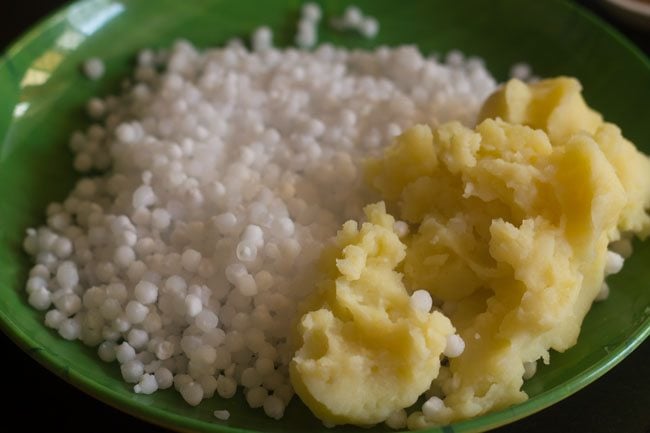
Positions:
{"x": 364, "y": 351}
{"x": 510, "y": 227}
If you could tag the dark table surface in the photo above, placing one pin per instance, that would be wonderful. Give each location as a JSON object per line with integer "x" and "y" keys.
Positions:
{"x": 619, "y": 402}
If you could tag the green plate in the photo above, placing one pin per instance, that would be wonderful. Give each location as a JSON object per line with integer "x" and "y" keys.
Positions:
{"x": 42, "y": 98}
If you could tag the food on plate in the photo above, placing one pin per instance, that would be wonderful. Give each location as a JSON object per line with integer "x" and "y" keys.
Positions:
{"x": 200, "y": 252}
{"x": 365, "y": 350}
{"x": 509, "y": 225}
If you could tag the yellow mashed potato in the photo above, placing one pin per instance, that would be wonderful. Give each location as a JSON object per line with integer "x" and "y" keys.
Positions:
{"x": 364, "y": 352}
{"x": 510, "y": 224}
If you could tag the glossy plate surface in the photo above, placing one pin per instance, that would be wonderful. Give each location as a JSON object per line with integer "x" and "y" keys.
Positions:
{"x": 42, "y": 98}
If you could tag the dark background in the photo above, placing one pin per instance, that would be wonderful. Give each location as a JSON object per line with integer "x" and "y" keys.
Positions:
{"x": 619, "y": 402}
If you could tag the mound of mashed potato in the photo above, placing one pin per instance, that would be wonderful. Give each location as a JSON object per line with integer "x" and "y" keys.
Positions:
{"x": 364, "y": 351}
{"x": 510, "y": 224}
